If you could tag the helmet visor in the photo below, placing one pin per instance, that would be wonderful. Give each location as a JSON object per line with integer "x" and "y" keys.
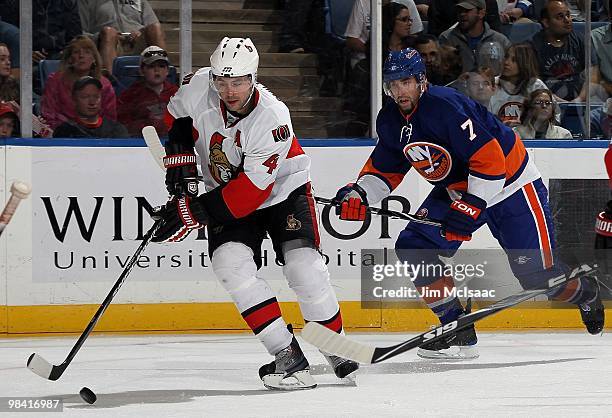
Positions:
{"x": 233, "y": 84}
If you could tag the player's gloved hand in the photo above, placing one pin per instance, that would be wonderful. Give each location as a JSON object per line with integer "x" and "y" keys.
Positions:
{"x": 351, "y": 203}
{"x": 461, "y": 220}
{"x": 603, "y": 239}
{"x": 181, "y": 215}
{"x": 181, "y": 170}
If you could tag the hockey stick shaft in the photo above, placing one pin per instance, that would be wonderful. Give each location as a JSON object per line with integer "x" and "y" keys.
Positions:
{"x": 387, "y": 212}
{"x": 19, "y": 191}
{"x": 149, "y": 133}
{"x": 44, "y": 369}
{"x": 331, "y": 342}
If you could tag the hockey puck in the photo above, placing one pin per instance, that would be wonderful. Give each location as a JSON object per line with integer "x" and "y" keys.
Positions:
{"x": 87, "y": 395}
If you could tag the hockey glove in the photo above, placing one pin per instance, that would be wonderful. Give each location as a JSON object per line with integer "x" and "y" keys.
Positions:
{"x": 351, "y": 203}
{"x": 461, "y": 220}
{"x": 603, "y": 239}
{"x": 181, "y": 215}
{"x": 181, "y": 170}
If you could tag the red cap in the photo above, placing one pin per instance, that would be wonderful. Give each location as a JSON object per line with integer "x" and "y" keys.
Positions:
{"x": 7, "y": 108}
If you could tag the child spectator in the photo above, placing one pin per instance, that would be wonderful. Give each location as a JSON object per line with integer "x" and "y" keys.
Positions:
{"x": 539, "y": 116}
{"x": 9, "y": 85}
{"x": 9, "y": 122}
{"x": 519, "y": 78}
{"x": 144, "y": 102}
{"x": 88, "y": 123}
{"x": 80, "y": 58}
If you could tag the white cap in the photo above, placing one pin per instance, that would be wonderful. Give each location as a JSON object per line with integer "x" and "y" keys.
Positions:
{"x": 235, "y": 57}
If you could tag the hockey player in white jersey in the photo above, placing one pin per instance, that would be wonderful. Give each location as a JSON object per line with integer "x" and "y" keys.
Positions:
{"x": 257, "y": 182}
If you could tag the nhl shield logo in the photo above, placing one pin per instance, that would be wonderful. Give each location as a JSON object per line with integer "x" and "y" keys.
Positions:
{"x": 432, "y": 161}
{"x": 293, "y": 224}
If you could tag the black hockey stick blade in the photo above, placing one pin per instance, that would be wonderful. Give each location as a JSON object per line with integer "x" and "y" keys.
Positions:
{"x": 42, "y": 367}
{"x": 340, "y": 345}
{"x": 386, "y": 212}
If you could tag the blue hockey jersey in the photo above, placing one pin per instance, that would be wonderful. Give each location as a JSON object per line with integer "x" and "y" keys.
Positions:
{"x": 451, "y": 141}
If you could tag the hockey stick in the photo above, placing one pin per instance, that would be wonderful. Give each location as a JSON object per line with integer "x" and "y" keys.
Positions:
{"x": 19, "y": 191}
{"x": 340, "y": 345}
{"x": 154, "y": 144}
{"x": 386, "y": 212}
{"x": 42, "y": 367}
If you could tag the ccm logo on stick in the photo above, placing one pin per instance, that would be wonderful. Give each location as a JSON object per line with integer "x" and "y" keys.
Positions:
{"x": 463, "y": 207}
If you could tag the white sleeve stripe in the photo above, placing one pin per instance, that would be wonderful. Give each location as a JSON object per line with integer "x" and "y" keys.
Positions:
{"x": 484, "y": 189}
{"x": 376, "y": 188}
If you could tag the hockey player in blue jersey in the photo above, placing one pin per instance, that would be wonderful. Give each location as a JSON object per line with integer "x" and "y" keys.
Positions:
{"x": 481, "y": 173}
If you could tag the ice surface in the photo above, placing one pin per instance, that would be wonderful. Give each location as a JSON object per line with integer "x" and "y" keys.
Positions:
{"x": 517, "y": 374}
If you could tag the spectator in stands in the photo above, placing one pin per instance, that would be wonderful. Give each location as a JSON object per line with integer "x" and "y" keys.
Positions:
{"x": 602, "y": 47}
{"x": 9, "y": 35}
{"x": 451, "y": 65}
{"x": 121, "y": 27}
{"x": 145, "y": 102}
{"x": 443, "y": 14}
{"x": 54, "y": 24}
{"x": 480, "y": 84}
{"x": 9, "y": 85}
{"x": 89, "y": 123}
{"x": 560, "y": 53}
{"x": 601, "y": 121}
{"x": 396, "y": 28}
{"x": 358, "y": 27}
{"x": 519, "y": 78}
{"x": 80, "y": 58}
{"x": 9, "y": 122}
{"x": 429, "y": 48}
{"x": 516, "y": 11}
{"x": 474, "y": 38}
{"x": 538, "y": 119}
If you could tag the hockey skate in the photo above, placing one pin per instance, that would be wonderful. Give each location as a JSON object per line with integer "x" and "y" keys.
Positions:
{"x": 342, "y": 367}
{"x": 592, "y": 312}
{"x": 288, "y": 371}
{"x": 459, "y": 345}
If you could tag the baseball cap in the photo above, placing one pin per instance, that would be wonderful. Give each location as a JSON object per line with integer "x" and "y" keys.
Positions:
{"x": 7, "y": 108}
{"x": 84, "y": 81}
{"x": 472, "y": 4}
{"x": 153, "y": 53}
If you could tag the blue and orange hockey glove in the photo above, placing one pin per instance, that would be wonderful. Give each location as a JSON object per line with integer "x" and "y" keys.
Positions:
{"x": 461, "y": 220}
{"x": 351, "y": 203}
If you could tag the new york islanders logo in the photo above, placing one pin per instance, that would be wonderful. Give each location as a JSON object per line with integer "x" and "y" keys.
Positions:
{"x": 220, "y": 167}
{"x": 432, "y": 161}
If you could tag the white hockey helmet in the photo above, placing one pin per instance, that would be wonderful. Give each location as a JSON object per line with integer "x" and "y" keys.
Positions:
{"x": 235, "y": 57}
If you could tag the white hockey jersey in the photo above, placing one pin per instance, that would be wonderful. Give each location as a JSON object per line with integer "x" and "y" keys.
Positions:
{"x": 507, "y": 106}
{"x": 257, "y": 158}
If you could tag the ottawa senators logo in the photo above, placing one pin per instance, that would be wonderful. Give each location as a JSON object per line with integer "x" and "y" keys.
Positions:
{"x": 219, "y": 167}
{"x": 432, "y": 161}
{"x": 293, "y": 224}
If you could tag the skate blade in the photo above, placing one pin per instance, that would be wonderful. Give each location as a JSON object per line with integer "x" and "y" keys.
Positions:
{"x": 299, "y": 380}
{"x": 469, "y": 352}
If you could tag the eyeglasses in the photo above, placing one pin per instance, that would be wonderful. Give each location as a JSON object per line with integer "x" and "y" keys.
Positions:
{"x": 150, "y": 54}
{"x": 404, "y": 19}
{"x": 542, "y": 103}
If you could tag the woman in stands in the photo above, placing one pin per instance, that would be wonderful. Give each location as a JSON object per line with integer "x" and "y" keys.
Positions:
{"x": 80, "y": 58}
{"x": 519, "y": 77}
{"x": 538, "y": 119}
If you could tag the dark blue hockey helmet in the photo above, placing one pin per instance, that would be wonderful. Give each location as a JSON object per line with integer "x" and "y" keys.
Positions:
{"x": 404, "y": 64}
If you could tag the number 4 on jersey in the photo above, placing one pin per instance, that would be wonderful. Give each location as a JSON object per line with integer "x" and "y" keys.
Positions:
{"x": 271, "y": 163}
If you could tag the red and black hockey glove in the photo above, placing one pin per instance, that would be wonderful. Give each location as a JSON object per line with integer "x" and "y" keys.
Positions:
{"x": 461, "y": 220}
{"x": 603, "y": 239}
{"x": 181, "y": 170}
{"x": 181, "y": 215}
{"x": 351, "y": 203}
